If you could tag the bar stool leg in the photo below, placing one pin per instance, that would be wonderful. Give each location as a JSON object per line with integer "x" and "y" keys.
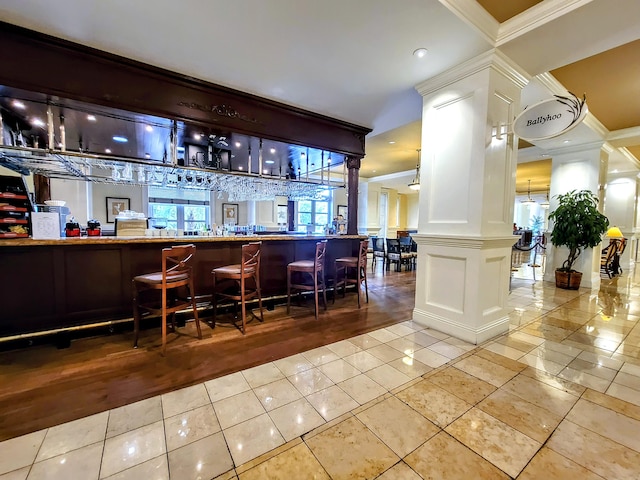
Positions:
{"x": 315, "y": 292}
{"x": 192, "y": 293}
{"x": 358, "y": 284}
{"x": 214, "y": 301}
{"x": 136, "y": 314}
{"x": 164, "y": 320}
{"x": 324, "y": 290}
{"x": 366, "y": 287}
{"x": 244, "y": 304}
{"x": 288, "y": 290}
{"x": 257, "y": 280}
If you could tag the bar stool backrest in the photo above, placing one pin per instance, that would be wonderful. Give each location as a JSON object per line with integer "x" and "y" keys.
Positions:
{"x": 321, "y": 248}
{"x": 175, "y": 261}
{"x": 251, "y": 258}
{"x": 362, "y": 257}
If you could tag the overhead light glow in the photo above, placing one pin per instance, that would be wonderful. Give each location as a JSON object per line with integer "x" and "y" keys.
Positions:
{"x": 107, "y": 150}
{"x": 272, "y": 150}
{"x": 238, "y": 144}
{"x": 269, "y": 162}
{"x": 392, "y": 142}
{"x": 18, "y": 104}
{"x": 197, "y": 136}
{"x": 91, "y": 118}
{"x": 149, "y": 128}
{"x": 120, "y": 139}
{"x": 37, "y": 122}
{"x": 146, "y": 155}
{"x": 420, "y": 52}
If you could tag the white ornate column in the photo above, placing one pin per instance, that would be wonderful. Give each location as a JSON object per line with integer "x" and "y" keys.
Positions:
{"x": 466, "y": 198}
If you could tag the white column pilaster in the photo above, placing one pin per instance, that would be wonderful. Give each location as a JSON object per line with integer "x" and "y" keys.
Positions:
{"x": 466, "y": 199}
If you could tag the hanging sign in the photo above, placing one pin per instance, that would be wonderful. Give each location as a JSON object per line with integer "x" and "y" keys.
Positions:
{"x": 550, "y": 118}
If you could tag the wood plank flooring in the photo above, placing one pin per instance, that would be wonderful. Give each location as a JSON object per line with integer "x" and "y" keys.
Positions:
{"x": 42, "y": 386}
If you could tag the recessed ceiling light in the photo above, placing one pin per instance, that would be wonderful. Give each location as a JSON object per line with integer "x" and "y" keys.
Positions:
{"x": 149, "y": 128}
{"x": 91, "y": 118}
{"x": 197, "y": 136}
{"x": 146, "y": 155}
{"x": 420, "y": 52}
{"x": 374, "y": 171}
{"x": 107, "y": 150}
{"x": 269, "y": 162}
{"x": 37, "y": 122}
{"x": 240, "y": 167}
{"x": 18, "y": 104}
{"x": 120, "y": 139}
{"x": 265, "y": 171}
{"x": 391, "y": 142}
{"x": 272, "y": 150}
{"x": 238, "y": 144}
{"x": 567, "y": 141}
{"x": 615, "y": 171}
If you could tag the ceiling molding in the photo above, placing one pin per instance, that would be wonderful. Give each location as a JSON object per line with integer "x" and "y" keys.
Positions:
{"x": 582, "y": 147}
{"x": 624, "y": 137}
{"x": 491, "y": 59}
{"x": 534, "y": 17}
{"x": 630, "y": 157}
{"x": 472, "y": 13}
{"x": 392, "y": 176}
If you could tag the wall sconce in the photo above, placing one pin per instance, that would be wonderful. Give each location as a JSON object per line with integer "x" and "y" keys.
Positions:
{"x": 500, "y": 130}
{"x": 415, "y": 184}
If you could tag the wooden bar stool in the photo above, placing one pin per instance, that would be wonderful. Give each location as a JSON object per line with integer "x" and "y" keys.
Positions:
{"x": 359, "y": 266}
{"x": 248, "y": 270}
{"x": 176, "y": 272}
{"x": 315, "y": 268}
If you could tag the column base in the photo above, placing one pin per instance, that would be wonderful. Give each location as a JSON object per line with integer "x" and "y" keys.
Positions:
{"x": 460, "y": 330}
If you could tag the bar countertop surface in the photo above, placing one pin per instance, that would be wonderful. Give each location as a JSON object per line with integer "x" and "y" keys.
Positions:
{"x": 111, "y": 240}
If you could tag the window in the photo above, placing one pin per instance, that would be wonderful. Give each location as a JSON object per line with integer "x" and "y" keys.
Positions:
{"x": 314, "y": 212}
{"x": 181, "y": 209}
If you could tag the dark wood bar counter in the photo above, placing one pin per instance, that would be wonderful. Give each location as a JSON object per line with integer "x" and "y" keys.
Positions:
{"x": 53, "y": 285}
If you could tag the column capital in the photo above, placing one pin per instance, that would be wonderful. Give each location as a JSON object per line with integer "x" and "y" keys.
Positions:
{"x": 353, "y": 162}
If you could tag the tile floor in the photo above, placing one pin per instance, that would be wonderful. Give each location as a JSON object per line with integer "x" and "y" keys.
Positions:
{"x": 557, "y": 397}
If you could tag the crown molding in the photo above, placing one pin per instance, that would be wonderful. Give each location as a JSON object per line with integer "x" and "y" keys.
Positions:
{"x": 624, "y": 137}
{"x": 472, "y": 13}
{"x": 534, "y": 17}
{"x": 493, "y": 58}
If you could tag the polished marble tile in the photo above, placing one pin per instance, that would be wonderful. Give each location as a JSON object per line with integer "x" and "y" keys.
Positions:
{"x": 485, "y": 370}
{"x": 154, "y": 469}
{"x": 503, "y": 361}
{"x": 503, "y": 350}
{"x": 262, "y": 374}
{"x": 554, "y": 381}
{"x": 592, "y": 368}
{"x": 404, "y": 345}
{"x": 628, "y": 380}
{"x": 310, "y": 381}
{"x": 607, "y": 344}
{"x": 504, "y": 446}
{"x": 252, "y": 438}
{"x": 320, "y": 356}
{"x": 516, "y": 344}
{"x": 549, "y": 465}
{"x": 443, "y": 457}
{"x": 69, "y": 436}
{"x": 296, "y": 418}
{"x": 190, "y": 426}
{"x": 20, "y": 474}
{"x": 132, "y": 448}
{"x": 134, "y": 415}
{"x": 365, "y": 341}
{"x": 542, "y": 364}
{"x": 296, "y": 462}
{"x": 339, "y": 370}
{"x": 434, "y": 403}
{"x": 630, "y": 369}
{"x": 362, "y": 389}
{"x": 20, "y": 451}
{"x": 277, "y": 394}
{"x": 293, "y": 364}
{"x": 399, "y": 426}
{"x": 205, "y": 458}
{"x": 532, "y": 420}
{"x": 402, "y": 329}
{"x": 421, "y": 338}
{"x": 349, "y": 450}
{"x": 332, "y": 402}
{"x": 546, "y": 353}
{"x": 400, "y": 471}
{"x": 430, "y": 358}
{"x": 598, "y": 454}
{"x": 608, "y": 423}
{"x": 227, "y": 386}
{"x": 383, "y": 335}
{"x": 184, "y": 400}
{"x": 233, "y": 410}
{"x": 385, "y": 353}
{"x": 343, "y": 348}
{"x": 81, "y": 463}
{"x": 624, "y": 393}
{"x": 388, "y": 377}
{"x": 435, "y": 333}
{"x": 525, "y": 339}
{"x": 411, "y": 367}
{"x": 446, "y": 349}
{"x": 613, "y": 403}
{"x": 467, "y": 387}
{"x": 583, "y": 378}
{"x": 363, "y": 361}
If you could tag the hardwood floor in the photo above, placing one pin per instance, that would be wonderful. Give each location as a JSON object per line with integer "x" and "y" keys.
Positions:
{"x": 42, "y": 386}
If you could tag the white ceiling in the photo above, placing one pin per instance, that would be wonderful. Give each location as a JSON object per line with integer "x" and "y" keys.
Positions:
{"x": 349, "y": 59}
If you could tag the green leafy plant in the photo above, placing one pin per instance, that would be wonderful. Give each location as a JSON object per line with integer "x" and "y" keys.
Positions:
{"x": 577, "y": 224}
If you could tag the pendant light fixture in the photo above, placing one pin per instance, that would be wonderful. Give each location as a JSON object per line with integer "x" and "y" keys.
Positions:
{"x": 545, "y": 204}
{"x": 529, "y": 200}
{"x": 415, "y": 184}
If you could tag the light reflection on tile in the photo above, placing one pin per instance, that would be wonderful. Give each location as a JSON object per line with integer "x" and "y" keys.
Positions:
{"x": 332, "y": 402}
{"x": 184, "y": 400}
{"x": 339, "y": 370}
{"x": 69, "y": 436}
{"x": 262, "y": 374}
{"x": 363, "y": 361}
{"x": 252, "y": 438}
{"x": 276, "y": 394}
{"x": 293, "y": 364}
{"x": 343, "y": 348}
{"x": 204, "y": 458}
{"x": 362, "y": 389}
{"x": 430, "y": 358}
{"x": 226, "y": 386}
{"x": 296, "y": 418}
{"x": 383, "y": 335}
{"x": 134, "y": 415}
{"x": 584, "y": 378}
{"x": 319, "y": 356}
{"x": 237, "y": 409}
{"x": 81, "y": 463}
{"x": 411, "y": 367}
{"x": 154, "y": 469}
{"x": 190, "y": 426}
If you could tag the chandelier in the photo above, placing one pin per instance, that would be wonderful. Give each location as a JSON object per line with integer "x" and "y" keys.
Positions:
{"x": 415, "y": 184}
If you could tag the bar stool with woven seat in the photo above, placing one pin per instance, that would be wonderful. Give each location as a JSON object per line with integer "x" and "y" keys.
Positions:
{"x": 315, "y": 268}
{"x": 176, "y": 272}
{"x": 248, "y": 270}
{"x": 359, "y": 266}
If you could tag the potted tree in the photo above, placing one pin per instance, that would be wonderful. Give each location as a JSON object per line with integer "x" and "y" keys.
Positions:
{"x": 577, "y": 224}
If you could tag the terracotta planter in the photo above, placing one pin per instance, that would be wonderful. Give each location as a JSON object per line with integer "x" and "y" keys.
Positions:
{"x": 568, "y": 280}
